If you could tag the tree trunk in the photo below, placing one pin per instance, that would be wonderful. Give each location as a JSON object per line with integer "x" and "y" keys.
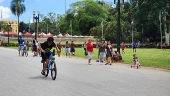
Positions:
{"x": 18, "y": 27}
{"x": 166, "y": 32}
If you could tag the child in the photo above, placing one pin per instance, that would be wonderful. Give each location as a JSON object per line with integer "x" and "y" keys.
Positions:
{"x": 123, "y": 47}
{"x": 135, "y": 61}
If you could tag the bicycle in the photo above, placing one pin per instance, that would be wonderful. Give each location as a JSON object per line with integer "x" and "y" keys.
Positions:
{"x": 51, "y": 66}
{"x": 25, "y": 51}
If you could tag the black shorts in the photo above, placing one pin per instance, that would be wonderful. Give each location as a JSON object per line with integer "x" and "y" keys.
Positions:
{"x": 72, "y": 50}
{"x": 45, "y": 56}
{"x": 134, "y": 47}
{"x": 34, "y": 48}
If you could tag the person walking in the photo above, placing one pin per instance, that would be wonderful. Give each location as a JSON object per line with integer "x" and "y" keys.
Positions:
{"x": 20, "y": 45}
{"x": 102, "y": 51}
{"x": 108, "y": 53}
{"x": 67, "y": 49}
{"x": 59, "y": 45}
{"x": 34, "y": 43}
{"x": 89, "y": 50}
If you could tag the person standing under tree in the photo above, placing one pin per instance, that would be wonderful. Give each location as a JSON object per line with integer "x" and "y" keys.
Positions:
{"x": 134, "y": 46}
{"x": 89, "y": 50}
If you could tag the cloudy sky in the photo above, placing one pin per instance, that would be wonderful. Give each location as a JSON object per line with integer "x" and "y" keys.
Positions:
{"x": 45, "y": 6}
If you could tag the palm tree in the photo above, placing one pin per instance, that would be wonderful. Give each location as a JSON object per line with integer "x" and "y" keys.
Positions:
{"x": 17, "y": 8}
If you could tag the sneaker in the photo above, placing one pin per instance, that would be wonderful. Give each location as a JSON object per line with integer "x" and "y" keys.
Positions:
{"x": 43, "y": 73}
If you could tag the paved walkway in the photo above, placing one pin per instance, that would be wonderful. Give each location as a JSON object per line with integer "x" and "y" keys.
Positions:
{"x": 20, "y": 76}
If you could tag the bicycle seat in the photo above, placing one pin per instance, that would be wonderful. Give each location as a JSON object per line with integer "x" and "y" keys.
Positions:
{"x": 53, "y": 58}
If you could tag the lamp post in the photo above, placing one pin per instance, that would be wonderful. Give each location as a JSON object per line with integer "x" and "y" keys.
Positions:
{"x": 75, "y": 14}
{"x": 65, "y": 7}
{"x": 102, "y": 24}
{"x": 132, "y": 31}
{"x": 36, "y": 20}
{"x": 47, "y": 28}
{"x": 118, "y": 25}
{"x": 71, "y": 28}
{"x": 29, "y": 24}
{"x": 9, "y": 27}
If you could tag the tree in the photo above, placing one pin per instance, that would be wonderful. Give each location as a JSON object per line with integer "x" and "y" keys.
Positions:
{"x": 145, "y": 14}
{"x": 3, "y": 26}
{"x": 23, "y": 27}
{"x": 17, "y": 8}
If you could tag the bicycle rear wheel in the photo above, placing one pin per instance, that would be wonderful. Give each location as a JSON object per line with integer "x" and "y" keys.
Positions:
{"x": 26, "y": 53}
{"x": 53, "y": 70}
{"x": 23, "y": 53}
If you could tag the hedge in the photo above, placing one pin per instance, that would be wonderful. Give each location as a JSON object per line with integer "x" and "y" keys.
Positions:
{"x": 14, "y": 44}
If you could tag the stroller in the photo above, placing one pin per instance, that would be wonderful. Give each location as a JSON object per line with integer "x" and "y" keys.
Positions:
{"x": 25, "y": 51}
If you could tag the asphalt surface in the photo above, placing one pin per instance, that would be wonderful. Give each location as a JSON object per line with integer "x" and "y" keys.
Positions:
{"x": 20, "y": 76}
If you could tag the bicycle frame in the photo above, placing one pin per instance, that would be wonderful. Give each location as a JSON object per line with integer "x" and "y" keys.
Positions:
{"x": 50, "y": 58}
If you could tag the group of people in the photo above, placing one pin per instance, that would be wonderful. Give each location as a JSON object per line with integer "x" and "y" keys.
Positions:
{"x": 24, "y": 45}
{"x": 37, "y": 47}
{"x": 106, "y": 53}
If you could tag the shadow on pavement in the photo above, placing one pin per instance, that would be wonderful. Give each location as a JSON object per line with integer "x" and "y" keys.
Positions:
{"x": 40, "y": 77}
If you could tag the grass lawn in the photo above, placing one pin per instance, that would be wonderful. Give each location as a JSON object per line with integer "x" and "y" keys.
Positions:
{"x": 147, "y": 57}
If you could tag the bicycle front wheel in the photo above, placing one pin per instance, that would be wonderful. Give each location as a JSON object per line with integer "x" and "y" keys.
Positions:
{"x": 46, "y": 72}
{"x": 53, "y": 70}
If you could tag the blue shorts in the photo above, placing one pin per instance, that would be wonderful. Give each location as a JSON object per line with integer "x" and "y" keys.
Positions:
{"x": 102, "y": 55}
{"x": 20, "y": 47}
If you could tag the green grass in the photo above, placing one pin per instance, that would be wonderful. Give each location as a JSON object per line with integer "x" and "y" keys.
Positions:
{"x": 156, "y": 58}
{"x": 147, "y": 57}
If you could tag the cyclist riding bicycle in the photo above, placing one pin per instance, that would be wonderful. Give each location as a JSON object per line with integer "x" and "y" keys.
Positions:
{"x": 45, "y": 55}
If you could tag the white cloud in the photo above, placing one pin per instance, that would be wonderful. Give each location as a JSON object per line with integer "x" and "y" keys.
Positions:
{"x": 5, "y": 12}
{"x": 1, "y": 1}
{"x": 31, "y": 20}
